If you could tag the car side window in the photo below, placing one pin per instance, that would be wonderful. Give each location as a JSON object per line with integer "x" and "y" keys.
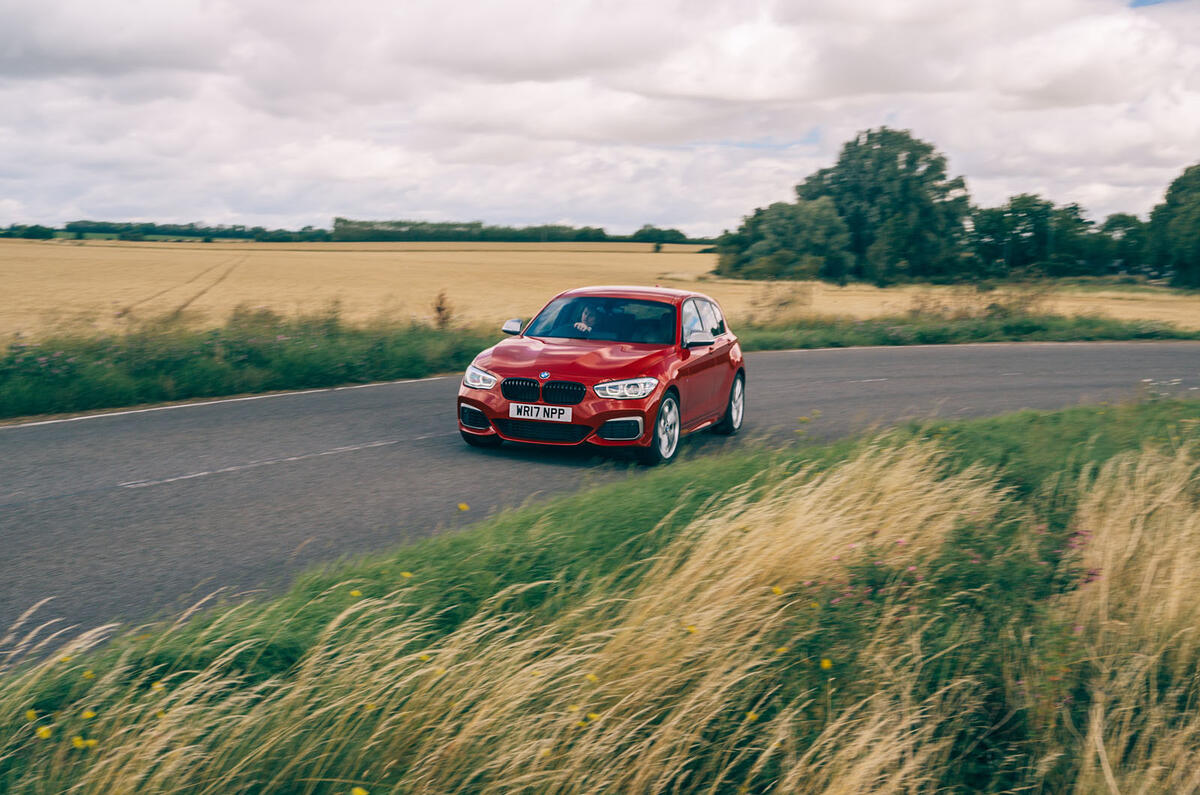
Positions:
{"x": 709, "y": 315}
{"x": 720, "y": 327}
{"x": 690, "y": 320}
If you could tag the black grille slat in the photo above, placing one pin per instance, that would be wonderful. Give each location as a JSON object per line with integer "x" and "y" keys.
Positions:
{"x": 534, "y": 431}
{"x": 525, "y": 390}
{"x": 558, "y": 393}
{"x": 563, "y": 393}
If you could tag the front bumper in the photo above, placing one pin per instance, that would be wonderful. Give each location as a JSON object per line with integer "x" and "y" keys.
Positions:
{"x": 599, "y": 421}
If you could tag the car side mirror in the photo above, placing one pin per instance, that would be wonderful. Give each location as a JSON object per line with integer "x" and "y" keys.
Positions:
{"x": 512, "y": 326}
{"x": 699, "y": 339}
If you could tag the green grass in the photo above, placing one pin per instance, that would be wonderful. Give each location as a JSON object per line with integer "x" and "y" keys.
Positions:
{"x": 977, "y": 621}
{"x": 255, "y": 351}
{"x": 934, "y": 329}
{"x": 166, "y": 359}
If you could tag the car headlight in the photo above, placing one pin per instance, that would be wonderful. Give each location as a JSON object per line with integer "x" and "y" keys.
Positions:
{"x": 630, "y": 389}
{"x": 478, "y": 379}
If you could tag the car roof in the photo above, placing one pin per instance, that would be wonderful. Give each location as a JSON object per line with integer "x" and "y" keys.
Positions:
{"x": 629, "y": 291}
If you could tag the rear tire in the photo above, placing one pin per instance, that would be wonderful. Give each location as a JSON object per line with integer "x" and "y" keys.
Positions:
{"x": 481, "y": 441}
{"x": 664, "y": 442}
{"x": 735, "y": 412}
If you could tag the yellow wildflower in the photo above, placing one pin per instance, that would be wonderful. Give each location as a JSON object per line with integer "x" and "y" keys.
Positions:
{"x": 593, "y": 716}
{"x": 78, "y": 742}
{"x": 751, "y": 716}
{"x": 162, "y": 713}
{"x": 44, "y": 732}
{"x": 545, "y": 753}
{"x": 88, "y": 714}
{"x": 370, "y": 707}
{"x": 581, "y": 724}
{"x": 775, "y": 589}
{"x": 159, "y": 686}
{"x": 424, "y": 658}
{"x": 65, "y": 658}
{"x": 535, "y": 673}
{"x": 592, "y": 678}
{"x": 462, "y": 506}
{"x": 826, "y": 663}
{"x": 356, "y": 593}
{"x": 90, "y": 742}
{"x": 572, "y": 708}
{"x": 358, "y": 791}
{"x": 781, "y": 649}
{"x": 691, "y": 628}
{"x": 31, "y": 714}
{"x": 406, "y": 574}
{"x": 439, "y": 671}
{"x": 89, "y": 674}
{"x": 814, "y": 605}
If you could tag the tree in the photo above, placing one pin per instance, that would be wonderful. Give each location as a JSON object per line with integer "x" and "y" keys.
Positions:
{"x": 1015, "y": 237}
{"x": 805, "y": 240}
{"x": 904, "y": 215}
{"x": 652, "y": 234}
{"x": 1174, "y": 230}
{"x": 1125, "y": 241}
{"x": 1073, "y": 248}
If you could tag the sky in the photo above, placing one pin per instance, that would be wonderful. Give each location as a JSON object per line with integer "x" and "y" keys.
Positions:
{"x": 608, "y": 113}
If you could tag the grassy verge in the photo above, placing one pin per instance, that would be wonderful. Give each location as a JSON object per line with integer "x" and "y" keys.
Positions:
{"x": 258, "y": 351}
{"x": 939, "y": 329}
{"x": 1009, "y": 605}
{"x": 255, "y": 351}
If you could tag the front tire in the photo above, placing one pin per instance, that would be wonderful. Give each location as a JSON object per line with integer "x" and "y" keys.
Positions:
{"x": 664, "y": 443}
{"x": 476, "y": 440}
{"x": 735, "y": 412}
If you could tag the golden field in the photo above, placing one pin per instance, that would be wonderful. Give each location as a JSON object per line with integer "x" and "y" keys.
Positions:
{"x": 104, "y": 284}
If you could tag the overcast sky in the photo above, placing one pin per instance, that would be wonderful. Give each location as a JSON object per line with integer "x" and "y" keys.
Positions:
{"x": 607, "y": 113}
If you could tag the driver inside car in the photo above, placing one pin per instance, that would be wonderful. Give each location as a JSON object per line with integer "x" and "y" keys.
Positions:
{"x": 587, "y": 320}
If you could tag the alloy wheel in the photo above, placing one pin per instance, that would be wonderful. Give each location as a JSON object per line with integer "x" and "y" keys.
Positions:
{"x": 668, "y": 428}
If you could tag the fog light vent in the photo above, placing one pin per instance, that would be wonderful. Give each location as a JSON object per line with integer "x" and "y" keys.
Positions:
{"x": 473, "y": 418}
{"x": 625, "y": 429}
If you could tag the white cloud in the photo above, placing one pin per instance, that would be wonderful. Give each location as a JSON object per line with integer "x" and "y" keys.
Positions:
{"x": 595, "y": 112}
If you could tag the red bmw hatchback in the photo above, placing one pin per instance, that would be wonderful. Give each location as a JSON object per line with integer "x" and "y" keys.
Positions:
{"x": 609, "y": 366}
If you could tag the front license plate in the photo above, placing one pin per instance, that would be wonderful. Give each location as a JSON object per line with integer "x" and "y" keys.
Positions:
{"x": 533, "y": 411}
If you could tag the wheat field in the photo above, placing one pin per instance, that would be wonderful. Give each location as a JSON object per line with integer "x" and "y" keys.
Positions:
{"x": 102, "y": 285}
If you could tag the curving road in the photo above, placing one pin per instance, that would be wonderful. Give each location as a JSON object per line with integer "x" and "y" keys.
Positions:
{"x": 130, "y": 514}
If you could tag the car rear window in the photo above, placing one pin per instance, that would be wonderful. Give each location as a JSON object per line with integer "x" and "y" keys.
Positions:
{"x": 604, "y": 318}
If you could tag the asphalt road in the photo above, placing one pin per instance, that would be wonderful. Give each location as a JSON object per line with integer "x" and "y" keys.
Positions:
{"x": 135, "y": 514}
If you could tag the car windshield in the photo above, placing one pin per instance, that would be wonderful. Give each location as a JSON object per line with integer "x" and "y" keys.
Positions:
{"x": 604, "y": 318}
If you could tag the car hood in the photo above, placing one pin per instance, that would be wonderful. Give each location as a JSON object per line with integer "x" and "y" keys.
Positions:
{"x": 567, "y": 358}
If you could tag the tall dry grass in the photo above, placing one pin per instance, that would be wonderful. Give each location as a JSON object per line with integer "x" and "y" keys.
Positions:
{"x": 1137, "y": 531}
{"x": 690, "y": 682}
{"x": 755, "y": 655}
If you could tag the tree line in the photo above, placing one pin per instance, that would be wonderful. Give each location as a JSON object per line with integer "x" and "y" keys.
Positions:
{"x": 888, "y": 211}
{"x": 471, "y": 231}
{"x": 138, "y": 230}
{"x": 345, "y": 229}
{"x": 28, "y": 231}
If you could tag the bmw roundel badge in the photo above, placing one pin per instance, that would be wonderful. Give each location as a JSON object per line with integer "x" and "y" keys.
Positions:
{"x": 544, "y": 374}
